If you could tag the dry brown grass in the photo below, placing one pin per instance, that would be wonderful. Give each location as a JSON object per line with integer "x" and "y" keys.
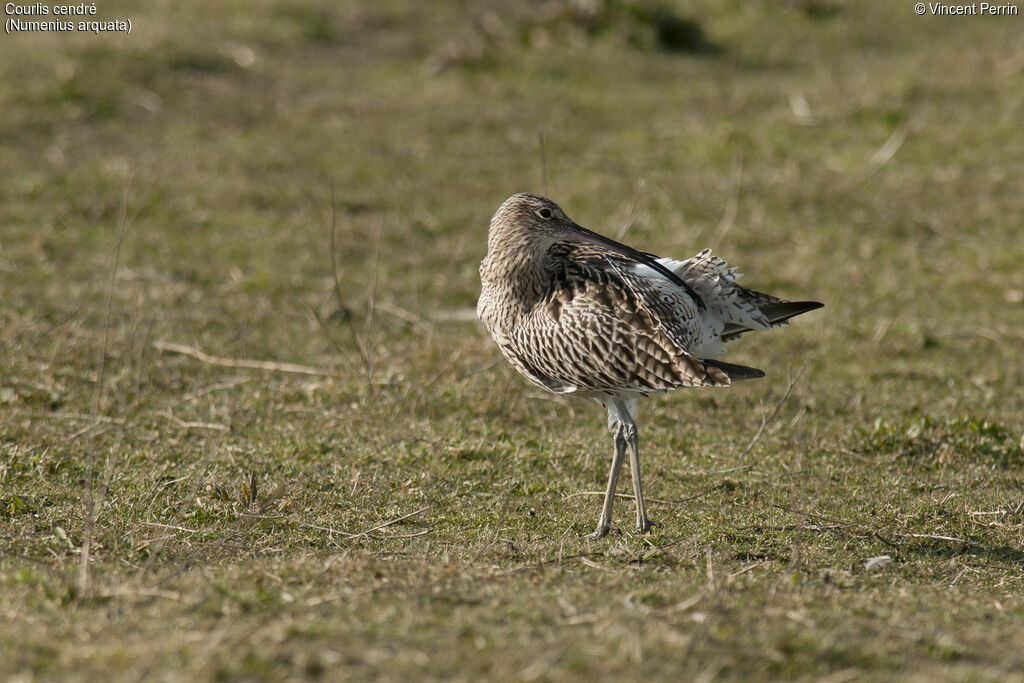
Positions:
{"x": 340, "y": 477}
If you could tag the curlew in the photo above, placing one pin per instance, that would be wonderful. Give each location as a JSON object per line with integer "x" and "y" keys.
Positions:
{"x": 578, "y": 313}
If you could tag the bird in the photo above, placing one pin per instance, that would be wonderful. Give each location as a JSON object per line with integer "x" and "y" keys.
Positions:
{"x": 580, "y": 314}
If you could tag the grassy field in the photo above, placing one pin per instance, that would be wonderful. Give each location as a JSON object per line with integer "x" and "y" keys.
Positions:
{"x": 251, "y": 428}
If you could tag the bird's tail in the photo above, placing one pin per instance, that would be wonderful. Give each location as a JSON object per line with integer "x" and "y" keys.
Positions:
{"x": 735, "y": 307}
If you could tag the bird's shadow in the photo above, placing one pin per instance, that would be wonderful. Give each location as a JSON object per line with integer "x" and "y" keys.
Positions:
{"x": 941, "y": 549}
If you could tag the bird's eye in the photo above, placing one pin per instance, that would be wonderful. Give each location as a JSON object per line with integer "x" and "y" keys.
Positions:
{"x": 544, "y": 213}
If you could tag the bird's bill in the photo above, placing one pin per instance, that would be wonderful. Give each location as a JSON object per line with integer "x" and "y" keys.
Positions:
{"x": 584, "y": 235}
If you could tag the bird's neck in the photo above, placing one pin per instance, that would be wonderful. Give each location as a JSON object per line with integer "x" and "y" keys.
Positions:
{"x": 520, "y": 279}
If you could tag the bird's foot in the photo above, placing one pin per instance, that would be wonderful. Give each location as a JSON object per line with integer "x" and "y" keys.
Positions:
{"x": 602, "y": 531}
{"x": 646, "y": 525}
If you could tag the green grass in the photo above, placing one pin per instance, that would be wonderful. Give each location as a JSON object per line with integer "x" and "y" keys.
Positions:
{"x": 418, "y": 509}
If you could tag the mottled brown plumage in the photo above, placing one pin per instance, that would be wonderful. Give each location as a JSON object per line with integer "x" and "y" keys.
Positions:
{"x": 578, "y": 313}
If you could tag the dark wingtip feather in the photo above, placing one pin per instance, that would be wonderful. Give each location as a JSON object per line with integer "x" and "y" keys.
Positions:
{"x": 733, "y": 371}
{"x": 777, "y": 312}
{"x": 781, "y": 311}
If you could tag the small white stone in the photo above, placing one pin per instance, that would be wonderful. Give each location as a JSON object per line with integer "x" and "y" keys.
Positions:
{"x": 879, "y": 562}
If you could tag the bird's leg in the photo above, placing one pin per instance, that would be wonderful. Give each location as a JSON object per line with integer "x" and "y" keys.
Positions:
{"x": 643, "y": 524}
{"x": 604, "y": 525}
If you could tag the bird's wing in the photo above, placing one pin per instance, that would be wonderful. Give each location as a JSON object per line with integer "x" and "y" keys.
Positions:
{"x": 602, "y": 326}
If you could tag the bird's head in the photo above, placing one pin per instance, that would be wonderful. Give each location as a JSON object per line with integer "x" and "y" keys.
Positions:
{"x": 530, "y": 221}
{"x": 526, "y": 225}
